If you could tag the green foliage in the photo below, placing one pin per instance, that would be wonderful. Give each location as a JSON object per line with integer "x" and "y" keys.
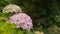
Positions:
{"x": 6, "y": 28}
{"x": 53, "y": 30}
{"x": 28, "y": 32}
{"x": 45, "y": 15}
{"x": 20, "y": 32}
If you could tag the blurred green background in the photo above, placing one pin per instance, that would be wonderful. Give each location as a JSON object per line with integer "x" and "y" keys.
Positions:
{"x": 44, "y": 13}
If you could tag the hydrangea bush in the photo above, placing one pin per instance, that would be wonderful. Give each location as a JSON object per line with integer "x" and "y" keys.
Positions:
{"x": 29, "y": 16}
{"x": 16, "y": 22}
{"x": 22, "y": 20}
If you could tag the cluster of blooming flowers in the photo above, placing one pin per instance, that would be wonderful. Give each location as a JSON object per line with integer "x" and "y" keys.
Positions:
{"x": 37, "y": 32}
{"x": 12, "y": 8}
{"x": 22, "y": 20}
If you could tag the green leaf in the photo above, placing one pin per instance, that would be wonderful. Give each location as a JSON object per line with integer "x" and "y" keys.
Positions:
{"x": 13, "y": 31}
{"x": 28, "y": 32}
{"x": 20, "y": 32}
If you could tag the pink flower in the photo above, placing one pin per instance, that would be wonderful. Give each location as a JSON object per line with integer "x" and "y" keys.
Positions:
{"x": 22, "y": 20}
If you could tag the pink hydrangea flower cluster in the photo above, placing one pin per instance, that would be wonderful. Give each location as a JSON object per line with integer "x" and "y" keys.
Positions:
{"x": 22, "y": 20}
